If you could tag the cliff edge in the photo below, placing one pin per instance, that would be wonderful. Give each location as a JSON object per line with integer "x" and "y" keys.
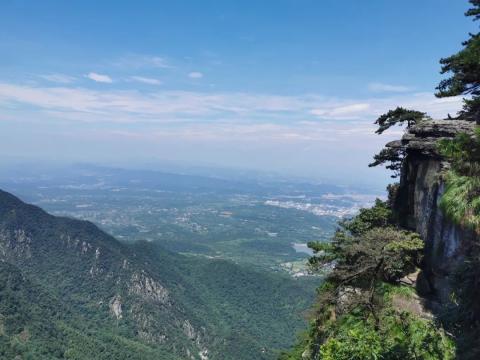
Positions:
{"x": 416, "y": 202}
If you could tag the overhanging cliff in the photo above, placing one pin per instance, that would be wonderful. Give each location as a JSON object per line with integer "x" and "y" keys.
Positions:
{"x": 417, "y": 203}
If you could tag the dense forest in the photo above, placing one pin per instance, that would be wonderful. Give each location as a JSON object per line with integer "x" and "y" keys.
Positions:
{"x": 69, "y": 290}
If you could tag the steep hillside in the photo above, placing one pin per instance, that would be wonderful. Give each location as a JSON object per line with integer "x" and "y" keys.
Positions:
{"x": 109, "y": 298}
{"x": 37, "y": 325}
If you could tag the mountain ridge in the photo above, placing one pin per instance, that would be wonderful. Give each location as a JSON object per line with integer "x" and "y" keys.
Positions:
{"x": 148, "y": 297}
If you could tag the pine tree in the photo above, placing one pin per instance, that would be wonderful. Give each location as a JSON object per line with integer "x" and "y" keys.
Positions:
{"x": 464, "y": 68}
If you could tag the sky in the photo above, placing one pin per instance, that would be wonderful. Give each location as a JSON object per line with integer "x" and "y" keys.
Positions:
{"x": 290, "y": 86}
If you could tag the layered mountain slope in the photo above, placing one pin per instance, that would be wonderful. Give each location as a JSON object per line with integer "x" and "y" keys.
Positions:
{"x": 99, "y": 296}
{"x": 34, "y": 324}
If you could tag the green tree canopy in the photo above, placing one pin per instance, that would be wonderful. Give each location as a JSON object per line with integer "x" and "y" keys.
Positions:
{"x": 399, "y": 116}
{"x": 392, "y": 157}
{"x": 464, "y": 68}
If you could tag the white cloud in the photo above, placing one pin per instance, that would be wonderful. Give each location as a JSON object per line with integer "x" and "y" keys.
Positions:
{"x": 58, "y": 78}
{"x": 145, "y": 80}
{"x": 380, "y": 87}
{"x": 195, "y": 75}
{"x": 99, "y": 78}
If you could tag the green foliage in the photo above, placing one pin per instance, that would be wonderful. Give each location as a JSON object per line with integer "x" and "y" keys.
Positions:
{"x": 399, "y": 116}
{"x": 461, "y": 199}
{"x": 463, "y": 152}
{"x": 396, "y": 334}
{"x": 356, "y": 316}
{"x": 464, "y": 68}
{"x": 247, "y": 310}
{"x": 400, "y": 336}
{"x": 356, "y": 343}
{"x": 379, "y": 215}
{"x": 297, "y": 351}
{"x": 392, "y": 157}
{"x": 462, "y": 314}
{"x": 383, "y": 254}
{"x": 58, "y": 305}
{"x": 36, "y": 325}
{"x": 368, "y": 248}
{"x": 475, "y": 11}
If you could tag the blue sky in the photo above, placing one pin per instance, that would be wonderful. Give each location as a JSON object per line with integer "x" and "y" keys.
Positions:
{"x": 285, "y": 85}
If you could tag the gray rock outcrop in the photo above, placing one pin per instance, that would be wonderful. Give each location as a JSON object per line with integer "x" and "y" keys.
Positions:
{"x": 417, "y": 201}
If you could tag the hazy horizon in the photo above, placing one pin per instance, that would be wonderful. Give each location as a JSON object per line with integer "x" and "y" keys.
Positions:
{"x": 291, "y": 88}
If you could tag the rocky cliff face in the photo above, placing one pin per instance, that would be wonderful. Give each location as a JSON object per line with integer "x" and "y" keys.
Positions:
{"x": 417, "y": 202}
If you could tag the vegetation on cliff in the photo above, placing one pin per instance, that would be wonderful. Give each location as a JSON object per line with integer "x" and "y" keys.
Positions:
{"x": 461, "y": 199}
{"x": 392, "y": 157}
{"x": 364, "y": 310}
{"x": 461, "y": 203}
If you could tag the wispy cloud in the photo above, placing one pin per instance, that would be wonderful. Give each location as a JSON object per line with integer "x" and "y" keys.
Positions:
{"x": 195, "y": 75}
{"x": 269, "y": 130}
{"x": 156, "y": 106}
{"x": 58, "y": 78}
{"x": 137, "y": 61}
{"x": 145, "y": 80}
{"x": 351, "y": 111}
{"x": 101, "y": 78}
{"x": 381, "y": 87}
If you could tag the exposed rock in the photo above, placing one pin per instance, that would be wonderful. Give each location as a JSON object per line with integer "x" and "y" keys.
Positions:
{"x": 441, "y": 128}
{"x": 85, "y": 247}
{"x": 146, "y": 325}
{"x": 417, "y": 203}
{"x": 422, "y": 138}
{"x": 189, "y": 330}
{"x": 203, "y": 354}
{"x": 2, "y": 325}
{"x": 345, "y": 298}
{"x": 412, "y": 304}
{"x": 148, "y": 288}
{"x": 307, "y": 354}
{"x": 116, "y": 307}
{"x": 410, "y": 279}
{"x": 24, "y": 335}
{"x": 16, "y": 243}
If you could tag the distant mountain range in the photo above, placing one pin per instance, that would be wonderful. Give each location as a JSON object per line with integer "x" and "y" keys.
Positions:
{"x": 70, "y": 291}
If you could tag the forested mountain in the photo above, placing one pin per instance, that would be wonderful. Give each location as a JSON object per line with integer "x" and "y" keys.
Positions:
{"x": 69, "y": 290}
